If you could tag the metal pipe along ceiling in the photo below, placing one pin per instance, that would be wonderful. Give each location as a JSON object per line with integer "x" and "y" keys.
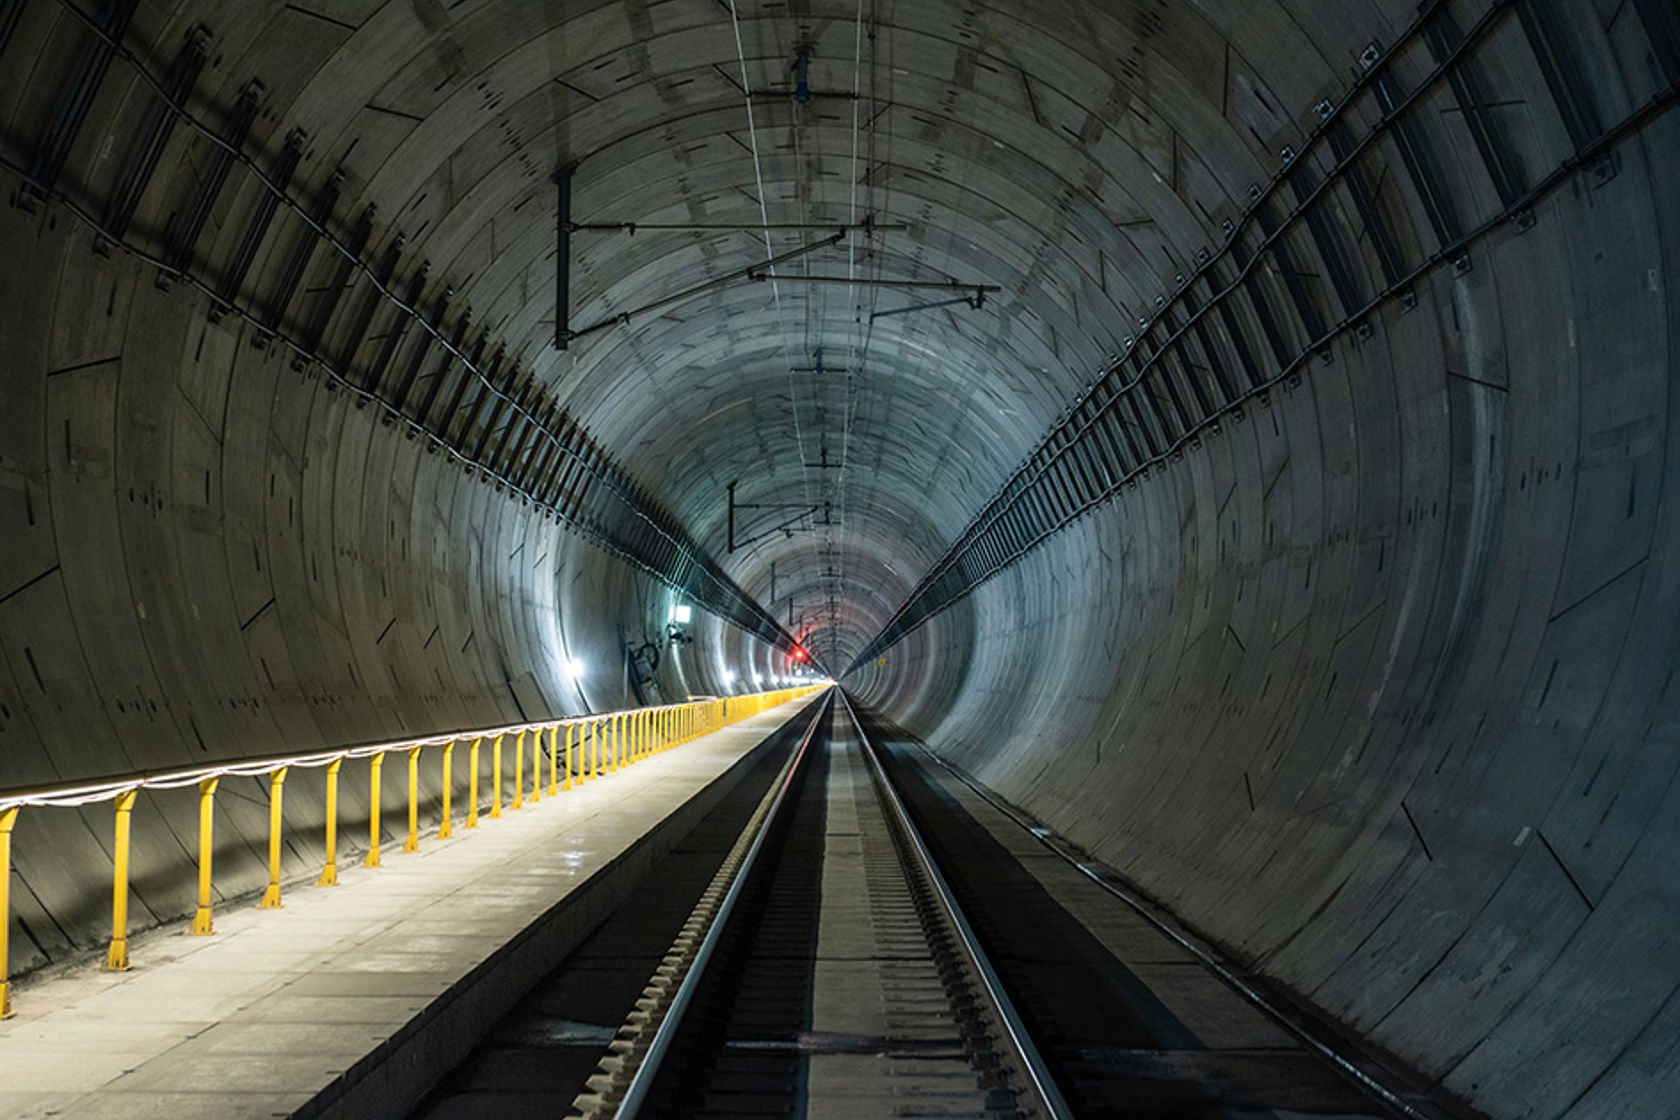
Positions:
{"x": 1290, "y": 525}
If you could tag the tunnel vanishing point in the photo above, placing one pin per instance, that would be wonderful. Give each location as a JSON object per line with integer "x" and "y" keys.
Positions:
{"x": 1240, "y": 433}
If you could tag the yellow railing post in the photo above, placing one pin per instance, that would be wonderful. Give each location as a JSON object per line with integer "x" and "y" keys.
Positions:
{"x": 446, "y": 829}
{"x": 329, "y": 873}
{"x": 518, "y": 771}
{"x": 276, "y": 788}
{"x": 116, "y": 956}
{"x": 201, "y": 923}
{"x": 412, "y": 844}
{"x": 536, "y": 765}
{"x": 8, "y": 818}
{"x": 496, "y": 779}
{"x": 472, "y": 787}
{"x": 375, "y": 763}
{"x": 554, "y": 760}
{"x": 594, "y": 748}
{"x": 569, "y": 727}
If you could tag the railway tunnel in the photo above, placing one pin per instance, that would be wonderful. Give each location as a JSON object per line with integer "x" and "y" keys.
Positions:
{"x": 1235, "y": 435}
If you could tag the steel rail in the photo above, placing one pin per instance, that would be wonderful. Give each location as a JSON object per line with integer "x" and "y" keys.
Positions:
{"x": 641, "y": 1084}
{"x": 1343, "y": 1064}
{"x": 1044, "y": 1084}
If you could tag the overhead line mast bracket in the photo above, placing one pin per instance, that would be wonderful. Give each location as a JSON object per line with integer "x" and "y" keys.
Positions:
{"x": 750, "y": 272}
{"x": 563, "y": 260}
{"x": 804, "y": 510}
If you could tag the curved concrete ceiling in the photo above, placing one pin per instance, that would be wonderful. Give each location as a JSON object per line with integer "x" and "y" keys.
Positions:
{"x": 1352, "y": 641}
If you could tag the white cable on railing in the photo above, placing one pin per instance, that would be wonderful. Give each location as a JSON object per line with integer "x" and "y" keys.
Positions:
{"x": 76, "y": 795}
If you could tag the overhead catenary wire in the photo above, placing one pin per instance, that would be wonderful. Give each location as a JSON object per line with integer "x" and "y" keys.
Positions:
{"x": 764, "y": 218}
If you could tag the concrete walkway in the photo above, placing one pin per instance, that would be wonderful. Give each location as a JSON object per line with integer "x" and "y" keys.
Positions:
{"x": 352, "y": 1000}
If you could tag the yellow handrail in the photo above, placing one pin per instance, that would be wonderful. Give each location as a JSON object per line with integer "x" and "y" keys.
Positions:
{"x": 624, "y": 736}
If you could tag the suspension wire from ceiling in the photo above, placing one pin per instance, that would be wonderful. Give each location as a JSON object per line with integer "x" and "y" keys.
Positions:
{"x": 864, "y": 328}
{"x": 769, "y": 252}
{"x": 856, "y": 353}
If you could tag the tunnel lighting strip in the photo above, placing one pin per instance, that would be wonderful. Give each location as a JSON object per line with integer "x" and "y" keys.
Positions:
{"x": 686, "y": 549}
{"x": 1015, "y": 491}
{"x": 1343, "y": 1064}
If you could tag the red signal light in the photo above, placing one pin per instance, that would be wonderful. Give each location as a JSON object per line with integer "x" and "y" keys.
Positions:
{"x": 799, "y": 655}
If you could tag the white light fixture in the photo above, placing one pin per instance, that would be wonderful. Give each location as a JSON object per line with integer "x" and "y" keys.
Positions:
{"x": 681, "y": 614}
{"x": 574, "y": 669}
{"x": 729, "y": 676}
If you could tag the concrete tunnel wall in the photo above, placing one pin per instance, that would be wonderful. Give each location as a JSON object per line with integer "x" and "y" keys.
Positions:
{"x": 1377, "y": 686}
{"x": 1373, "y": 686}
{"x": 215, "y": 559}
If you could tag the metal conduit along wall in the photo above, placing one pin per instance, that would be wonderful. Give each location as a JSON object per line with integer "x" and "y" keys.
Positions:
{"x": 1371, "y": 685}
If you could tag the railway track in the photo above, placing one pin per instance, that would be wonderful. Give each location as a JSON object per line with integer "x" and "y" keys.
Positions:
{"x": 815, "y": 955}
{"x": 825, "y": 969}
